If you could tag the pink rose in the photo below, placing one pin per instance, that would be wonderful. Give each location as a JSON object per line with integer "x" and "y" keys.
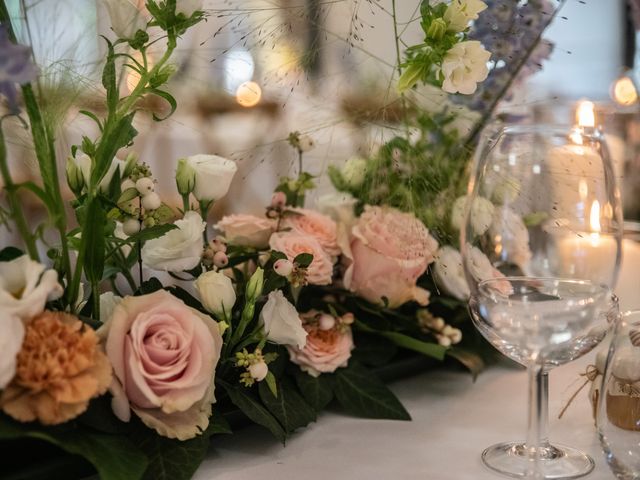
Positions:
{"x": 389, "y": 251}
{"x": 247, "y": 230}
{"x": 319, "y": 226}
{"x": 326, "y": 350}
{"x": 164, "y": 356}
{"x": 293, "y": 244}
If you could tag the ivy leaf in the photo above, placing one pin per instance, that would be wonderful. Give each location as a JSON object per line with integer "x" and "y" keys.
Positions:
{"x": 253, "y": 408}
{"x": 373, "y": 350}
{"x": 218, "y": 425}
{"x": 429, "y": 349}
{"x": 288, "y": 407}
{"x": 303, "y": 260}
{"x": 317, "y": 391}
{"x": 360, "y": 393}
{"x": 270, "y": 380}
{"x": 99, "y": 449}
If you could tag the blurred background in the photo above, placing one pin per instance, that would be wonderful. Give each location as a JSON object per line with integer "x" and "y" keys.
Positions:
{"x": 257, "y": 70}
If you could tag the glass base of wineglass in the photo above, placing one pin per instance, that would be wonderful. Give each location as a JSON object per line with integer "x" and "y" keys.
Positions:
{"x": 557, "y": 461}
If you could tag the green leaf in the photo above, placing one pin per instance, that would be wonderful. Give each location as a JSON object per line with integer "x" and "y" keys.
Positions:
{"x": 429, "y": 349}
{"x": 149, "y": 286}
{"x": 373, "y": 350}
{"x": 97, "y": 448}
{"x": 288, "y": 407}
{"x": 93, "y": 242}
{"x": 92, "y": 116}
{"x": 270, "y": 380}
{"x": 10, "y": 253}
{"x": 109, "y": 80}
{"x": 114, "y": 137}
{"x": 218, "y": 425}
{"x": 468, "y": 359}
{"x": 362, "y": 394}
{"x": 410, "y": 77}
{"x": 303, "y": 259}
{"x": 150, "y": 233}
{"x": 317, "y": 391}
{"x": 171, "y": 459}
{"x": 170, "y": 100}
{"x": 252, "y": 408}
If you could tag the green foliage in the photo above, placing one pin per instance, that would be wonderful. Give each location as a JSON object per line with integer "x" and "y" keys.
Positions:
{"x": 317, "y": 391}
{"x": 10, "y": 253}
{"x": 288, "y": 407}
{"x": 361, "y": 394}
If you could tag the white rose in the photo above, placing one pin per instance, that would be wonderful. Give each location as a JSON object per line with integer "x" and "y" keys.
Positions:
{"x": 460, "y": 12}
{"x": 464, "y": 65}
{"x": 188, "y": 7}
{"x": 25, "y": 287}
{"x": 11, "y": 336}
{"x": 216, "y": 293}
{"x": 339, "y": 206}
{"x": 281, "y": 321}
{"x": 126, "y": 18}
{"x": 448, "y": 273}
{"x": 179, "y": 249}
{"x": 84, "y": 162}
{"x": 508, "y": 226}
{"x": 481, "y": 214}
{"x": 354, "y": 171}
{"x": 213, "y": 176}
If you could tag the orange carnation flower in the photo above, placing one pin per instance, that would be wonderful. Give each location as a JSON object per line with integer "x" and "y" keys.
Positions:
{"x": 59, "y": 369}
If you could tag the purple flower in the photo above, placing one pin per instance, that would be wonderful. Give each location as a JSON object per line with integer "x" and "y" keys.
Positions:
{"x": 15, "y": 67}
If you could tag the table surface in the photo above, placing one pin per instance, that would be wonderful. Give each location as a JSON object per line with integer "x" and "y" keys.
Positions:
{"x": 454, "y": 419}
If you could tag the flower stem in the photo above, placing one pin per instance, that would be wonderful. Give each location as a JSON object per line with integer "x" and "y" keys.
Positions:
{"x": 396, "y": 38}
{"x": 14, "y": 203}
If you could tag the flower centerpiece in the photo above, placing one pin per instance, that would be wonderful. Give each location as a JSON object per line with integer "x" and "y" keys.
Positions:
{"x": 273, "y": 314}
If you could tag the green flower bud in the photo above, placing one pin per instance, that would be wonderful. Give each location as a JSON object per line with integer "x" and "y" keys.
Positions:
{"x": 75, "y": 179}
{"x": 254, "y": 287}
{"x": 354, "y": 172}
{"x": 437, "y": 29}
{"x": 185, "y": 177}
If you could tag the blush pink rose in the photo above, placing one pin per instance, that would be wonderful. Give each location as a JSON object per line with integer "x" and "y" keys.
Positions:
{"x": 164, "y": 355}
{"x": 325, "y": 350}
{"x": 247, "y": 230}
{"x": 293, "y": 244}
{"x": 319, "y": 226}
{"x": 390, "y": 250}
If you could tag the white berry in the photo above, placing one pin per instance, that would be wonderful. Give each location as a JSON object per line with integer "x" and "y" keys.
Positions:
{"x": 151, "y": 201}
{"x": 145, "y": 186}
{"x": 326, "y": 322}
{"x": 258, "y": 371}
{"x": 126, "y": 184}
{"x": 131, "y": 226}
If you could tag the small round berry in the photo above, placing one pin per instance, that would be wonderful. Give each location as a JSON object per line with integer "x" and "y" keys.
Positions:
{"x": 145, "y": 186}
{"x": 220, "y": 259}
{"x": 326, "y": 322}
{"x": 258, "y": 371}
{"x": 348, "y": 318}
{"x": 126, "y": 184}
{"x": 151, "y": 201}
{"x": 283, "y": 267}
{"x": 131, "y": 226}
{"x": 217, "y": 245}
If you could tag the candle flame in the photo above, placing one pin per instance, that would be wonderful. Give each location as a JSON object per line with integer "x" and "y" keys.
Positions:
{"x": 585, "y": 114}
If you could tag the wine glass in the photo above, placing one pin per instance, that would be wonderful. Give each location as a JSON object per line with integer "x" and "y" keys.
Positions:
{"x": 542, "y": 206}
{"x": 618, "y": 416}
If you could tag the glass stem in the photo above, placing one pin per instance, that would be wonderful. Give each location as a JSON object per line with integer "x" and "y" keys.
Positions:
{"x": 543, "y": 385}
{"x": 537, "y": 411}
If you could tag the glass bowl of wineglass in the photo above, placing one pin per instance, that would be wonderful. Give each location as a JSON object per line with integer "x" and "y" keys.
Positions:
{"x": 543, "y": 215}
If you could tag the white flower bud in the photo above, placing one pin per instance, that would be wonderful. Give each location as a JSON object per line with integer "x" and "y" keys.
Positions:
{"x": 305, "y": 143}
{"x": 151, "y": 201}
{"x": 259, "y": 371}
{"x": 145, "y": 186}
{"x": 481, "y": 214}
{"x": 130, "y": 226}
{"x": 216, "y": 293}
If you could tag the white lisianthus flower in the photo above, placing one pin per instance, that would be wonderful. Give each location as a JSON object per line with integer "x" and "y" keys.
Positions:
{"x": 25, "y": 287}
{"x": 126, "y": 17}
{"x": 84, "y": 163}
{"x": 481, "y": 214}
{"x": 282, "y": 322}
{"x": 189, "y": 7}
{"x": 179, "y": 249}
{"x": 213, "y": 176}
{"x": 339, "y": 206}
{"x": 460, "y": 12}
{"x": 449, "y": 273}
{"x": 11, "y": 336}
{"x": 464, "y": 65}
{"x": 216, "y": 293}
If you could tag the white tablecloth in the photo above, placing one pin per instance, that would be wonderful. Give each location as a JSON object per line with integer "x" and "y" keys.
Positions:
{"x": 453, "y": 421}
